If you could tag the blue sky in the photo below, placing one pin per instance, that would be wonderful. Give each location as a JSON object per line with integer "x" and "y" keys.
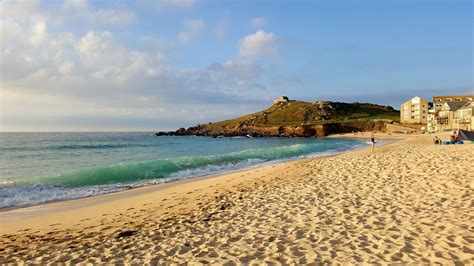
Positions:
{"x": 155, "y": 65}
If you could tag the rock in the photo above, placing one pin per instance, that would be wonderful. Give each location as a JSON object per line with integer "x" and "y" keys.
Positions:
{"x": 126, "y": 233}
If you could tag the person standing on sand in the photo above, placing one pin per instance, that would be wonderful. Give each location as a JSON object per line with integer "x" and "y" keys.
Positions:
{"x": 372, "y": 139}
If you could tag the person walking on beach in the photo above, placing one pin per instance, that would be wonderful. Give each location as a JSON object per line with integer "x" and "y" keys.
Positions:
{"x": 372, "y": 139}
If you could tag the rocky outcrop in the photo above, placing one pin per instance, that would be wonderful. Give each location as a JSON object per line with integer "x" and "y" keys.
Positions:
{"x": 281, "y": 131}
{"x": 298, "y": 119}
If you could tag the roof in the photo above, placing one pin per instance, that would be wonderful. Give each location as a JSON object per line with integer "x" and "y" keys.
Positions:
{"x": 414, "y": 98}
{"x": 467, "y": 105}
{"x": 452, "y": 96}
{"x": 453, "y": 106}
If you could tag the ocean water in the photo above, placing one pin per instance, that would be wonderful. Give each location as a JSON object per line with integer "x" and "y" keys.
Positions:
{"x": 40, "y": 167}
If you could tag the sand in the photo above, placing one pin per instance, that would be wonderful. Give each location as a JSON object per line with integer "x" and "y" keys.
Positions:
{"x": 409, "y": 202}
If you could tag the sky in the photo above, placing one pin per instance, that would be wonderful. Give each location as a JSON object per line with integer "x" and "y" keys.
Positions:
{"x": 149, "y": 65}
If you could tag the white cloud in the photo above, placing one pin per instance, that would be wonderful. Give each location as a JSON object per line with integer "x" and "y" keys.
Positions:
{"x": 20, "y": 10}
{"x": 192, "y": 29}
{"x": 242, "y": 70}
{"x": 65, "y": 67}
{"x": 258, "y": 45}
{"x": 258, "y": 22}
{"x": 94, "y": 43}
{"x": 81, "y": 10}
{"x": 55, "y": 75}
{"x": 76, "y": 11}
{"x": 38, "y": 32}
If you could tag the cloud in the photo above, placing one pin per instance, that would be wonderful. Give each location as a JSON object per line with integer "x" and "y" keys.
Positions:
{"x": 258, "y": 45}
{"x": 71, "y": 11}
{"x": 192, "y": 29}
{"x": 94, "y": 43}
{"x": 38, "y": 32}
{"x": 258, "y": 22}
{"x": 81, "y": 10}
{"x": 68, "y": 80}
{"x": 239, "y": 69}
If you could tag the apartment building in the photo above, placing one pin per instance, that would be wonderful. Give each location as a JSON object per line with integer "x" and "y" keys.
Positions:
{"x": 451, "y": 112}
{"x": 463, "y": 117}
{"x": 439, "y": 101}
{"x": 414, "y": 111}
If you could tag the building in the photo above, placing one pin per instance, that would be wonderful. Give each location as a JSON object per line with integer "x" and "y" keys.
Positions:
{"x": 451, "y": 112}
{"x": 445, "y": 116}
{"x": 430, "y": 123}
{"x": 463, "y": 117}
{"x": 439, "y": 101}
{"x": 282, "y": 99}
{"x": 414, "y": 111}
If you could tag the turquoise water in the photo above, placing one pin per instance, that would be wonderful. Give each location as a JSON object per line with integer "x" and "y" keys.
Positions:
{"x": 41, "y": 167}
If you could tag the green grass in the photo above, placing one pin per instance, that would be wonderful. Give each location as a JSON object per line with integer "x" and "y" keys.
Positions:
{"x": 305, "y": 113}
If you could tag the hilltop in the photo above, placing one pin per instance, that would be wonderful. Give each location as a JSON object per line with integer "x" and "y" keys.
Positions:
{"x": 300, "y": 119}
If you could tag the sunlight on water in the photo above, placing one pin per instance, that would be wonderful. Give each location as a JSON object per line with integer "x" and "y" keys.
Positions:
{"x": 40, "y": 167}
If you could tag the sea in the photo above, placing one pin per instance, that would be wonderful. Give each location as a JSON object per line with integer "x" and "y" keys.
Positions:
{"x": 36, "y": 168}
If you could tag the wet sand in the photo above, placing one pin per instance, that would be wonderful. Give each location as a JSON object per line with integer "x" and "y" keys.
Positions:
{"x": 409, "y": 202}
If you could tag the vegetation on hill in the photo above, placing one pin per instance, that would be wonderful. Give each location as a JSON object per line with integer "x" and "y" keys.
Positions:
{"x": 298, "y": 113}
{"x": 299, "y": 119}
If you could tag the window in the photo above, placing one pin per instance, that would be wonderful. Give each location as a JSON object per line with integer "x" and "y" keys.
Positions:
{"x": 458, "y": 99}
{"x": 442, "y": 120}
{"x": 448, "y": 99}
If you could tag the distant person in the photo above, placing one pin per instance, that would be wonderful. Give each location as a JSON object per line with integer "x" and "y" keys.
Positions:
{"x": 453, "y": 135}
{"x": 372, "y": 139}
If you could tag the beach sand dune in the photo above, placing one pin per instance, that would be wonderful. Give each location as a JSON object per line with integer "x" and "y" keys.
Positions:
{"x": 410, "y": 202}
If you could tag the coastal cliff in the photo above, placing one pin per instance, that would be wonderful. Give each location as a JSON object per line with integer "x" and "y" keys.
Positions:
{"x": 299, "y": 119}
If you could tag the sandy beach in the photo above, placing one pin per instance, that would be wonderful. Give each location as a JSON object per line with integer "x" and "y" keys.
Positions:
{"x": 409, "y": 202}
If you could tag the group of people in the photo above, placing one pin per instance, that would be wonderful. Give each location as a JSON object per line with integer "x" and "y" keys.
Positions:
{"x": 437, "y": 140}
{"x": 454, "y": 139}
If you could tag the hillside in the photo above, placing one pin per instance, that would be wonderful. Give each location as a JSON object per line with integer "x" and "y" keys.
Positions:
{"x": 297, "y": 118}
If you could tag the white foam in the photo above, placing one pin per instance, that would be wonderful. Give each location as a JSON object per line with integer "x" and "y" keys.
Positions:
{"x": 16, "y": 195}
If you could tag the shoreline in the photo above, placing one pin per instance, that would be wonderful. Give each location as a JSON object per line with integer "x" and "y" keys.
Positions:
{"x": 407, "y": 203}
{"x": 184, "y": 180}
{"x": 30, "y": 212}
